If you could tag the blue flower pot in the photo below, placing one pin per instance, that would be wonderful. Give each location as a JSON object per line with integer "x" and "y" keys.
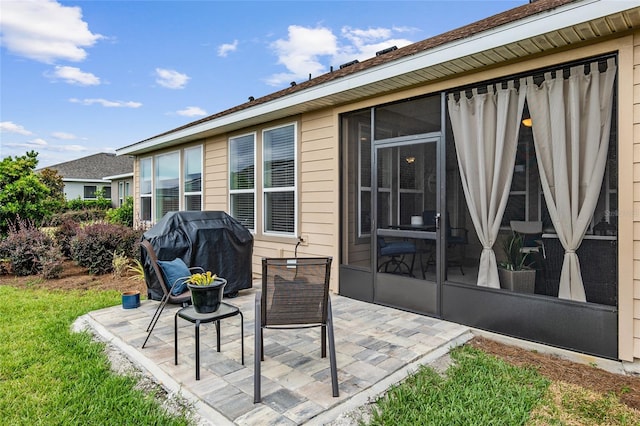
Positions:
{"x": 130, "y": 299}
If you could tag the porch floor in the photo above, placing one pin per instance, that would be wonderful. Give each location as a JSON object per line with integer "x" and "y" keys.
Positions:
{"x": 376, "y": 346}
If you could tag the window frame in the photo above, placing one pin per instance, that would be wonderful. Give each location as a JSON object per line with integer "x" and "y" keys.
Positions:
{"x": 253, "y": 190}
{"x": 149, "y": 194}
{"x": 288, "y": 189}
{"x": 182, "y": 184}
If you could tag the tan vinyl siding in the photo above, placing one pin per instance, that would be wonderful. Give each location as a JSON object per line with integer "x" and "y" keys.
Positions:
{"x": 216, "y": 187}
{"x": 636, "y": 196}
{"x": 318, "y": 187}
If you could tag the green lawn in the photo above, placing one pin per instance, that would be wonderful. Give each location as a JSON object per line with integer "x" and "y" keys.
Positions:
{"x": 50, "y": 375}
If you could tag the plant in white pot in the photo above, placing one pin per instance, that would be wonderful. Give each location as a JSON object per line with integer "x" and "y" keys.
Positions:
{"x": 514, "y": 272}
{"x": 206, "y": 291}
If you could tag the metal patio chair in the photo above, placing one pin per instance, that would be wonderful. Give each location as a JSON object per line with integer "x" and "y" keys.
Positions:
{"x": 182, "y": 299}
{"x": 294, "y": 294}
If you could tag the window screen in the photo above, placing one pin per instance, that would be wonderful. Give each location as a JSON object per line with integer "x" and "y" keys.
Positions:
{"x": 279, "y": 179}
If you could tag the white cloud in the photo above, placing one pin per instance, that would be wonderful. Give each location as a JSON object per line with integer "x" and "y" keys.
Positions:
{"x": 224, "y": 49}
{"x": 45, "y": 31}
{"x": 106, "y": 103}
{"x": 73, "y": 75}
{"x": 63, "y": 136}
{"x": 171, "y": 79}
{"x": 192, "y": 111}
{"x": 311, "y": 50}
{"x": 300, "y": 53}
{"x": 11, "y": 127}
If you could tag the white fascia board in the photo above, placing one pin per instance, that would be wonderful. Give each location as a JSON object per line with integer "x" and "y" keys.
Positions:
{"x": 85, "y": 180}
{"x": 122, "y": 176}
{"x": 544, "y": 22}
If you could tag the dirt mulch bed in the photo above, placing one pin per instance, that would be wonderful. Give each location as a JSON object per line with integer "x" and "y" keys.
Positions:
{"x": 626, "y": 387}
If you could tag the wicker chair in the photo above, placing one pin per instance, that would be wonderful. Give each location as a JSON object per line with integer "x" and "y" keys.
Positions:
{"x": 182, "y": 299}
{"x": 294, "y": 294}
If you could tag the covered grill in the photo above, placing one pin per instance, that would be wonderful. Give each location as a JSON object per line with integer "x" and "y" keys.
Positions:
{"x": 212, "y": 240}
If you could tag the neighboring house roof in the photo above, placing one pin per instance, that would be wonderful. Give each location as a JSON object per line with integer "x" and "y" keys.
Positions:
{"x": 94, "y": 167}
{"x": 517, "y": 33}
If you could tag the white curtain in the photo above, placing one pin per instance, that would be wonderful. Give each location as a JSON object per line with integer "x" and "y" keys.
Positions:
{"x": 485, "y": 129}
{"x": 571, "y": 123}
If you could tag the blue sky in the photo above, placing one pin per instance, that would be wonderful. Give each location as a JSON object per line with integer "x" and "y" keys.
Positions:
{"x": 80, "y": 77}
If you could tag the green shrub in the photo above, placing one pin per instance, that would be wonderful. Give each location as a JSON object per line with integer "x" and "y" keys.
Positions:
{"x": 123, "y": 215}
{"x": 94, "y": 245}
{"x": 30, "y": 251}
{"x": 79, "y": 204}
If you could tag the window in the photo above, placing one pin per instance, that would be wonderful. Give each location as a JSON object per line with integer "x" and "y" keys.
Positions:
{"x": 242, "y": 179}
{"x": 176, "y": 183}
{"x": 167, "y": 183}
{"x": 279, "y": 181}
{"x": 90, "y": 192}
{"x": 106, "y": 192}
{"x": 120, "y": 193}
{"x": 193, "y": 178}
{"x": 145, "y": 189}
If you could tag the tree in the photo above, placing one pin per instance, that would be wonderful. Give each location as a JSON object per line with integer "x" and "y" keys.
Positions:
{"x": 54, "y": 182}
{"x": 22, "y": 192}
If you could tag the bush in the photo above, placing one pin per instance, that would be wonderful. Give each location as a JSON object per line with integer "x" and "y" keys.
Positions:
{"x": 79, "y": 204}
{"x": 78, "y": 216}
{"x": 123, "y": 215}
{"x": 64, "y": 233}
{"x": 94, "y": 246}
{"x": 30, "y": 251}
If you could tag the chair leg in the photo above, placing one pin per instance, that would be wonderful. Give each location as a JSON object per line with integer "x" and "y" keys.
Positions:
{"x": 257, "y": 355}
{"x": 156, "y": 317}
{"x": 332, "y": 352}
{"x": 323, "y": 341}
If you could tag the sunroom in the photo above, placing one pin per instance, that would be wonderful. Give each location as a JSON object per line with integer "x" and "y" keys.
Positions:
{"x": 436, "y": 187}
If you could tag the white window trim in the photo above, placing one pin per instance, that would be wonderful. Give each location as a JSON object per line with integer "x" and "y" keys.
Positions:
{"x": 149, "y": 195}
{"x": 293, "y": 188}
{"x": 183, "y": 198}
{"x": 255, "y": 180}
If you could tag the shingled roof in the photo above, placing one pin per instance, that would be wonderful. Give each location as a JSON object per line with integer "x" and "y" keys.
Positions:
{"x": 94, "y": 167}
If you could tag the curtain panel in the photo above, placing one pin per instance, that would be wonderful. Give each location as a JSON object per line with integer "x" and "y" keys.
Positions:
{"x": 571, "y": 125}
{"x": 485, "y": 129}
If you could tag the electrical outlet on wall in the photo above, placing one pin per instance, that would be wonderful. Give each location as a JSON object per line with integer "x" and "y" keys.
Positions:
{"x": 304, "y": 240}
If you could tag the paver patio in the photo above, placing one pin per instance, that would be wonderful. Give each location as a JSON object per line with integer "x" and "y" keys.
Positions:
{"x": 376, "y": 346}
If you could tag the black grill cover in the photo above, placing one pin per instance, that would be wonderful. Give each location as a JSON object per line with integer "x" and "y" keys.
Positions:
{"x": 212, "y": 240}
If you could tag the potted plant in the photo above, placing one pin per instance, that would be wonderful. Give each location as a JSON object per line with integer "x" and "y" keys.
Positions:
{"x": 514, "y": 272}
{"x": 206, "y": 291}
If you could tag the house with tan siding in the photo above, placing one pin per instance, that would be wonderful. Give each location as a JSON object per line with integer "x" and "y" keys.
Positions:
{"x": 413, "y": 168}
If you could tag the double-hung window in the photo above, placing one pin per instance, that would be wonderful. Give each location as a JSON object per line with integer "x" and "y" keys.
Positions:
{"x": 145, "y": 189}
{"x": 242, "y": 195}
{"x": 193, "y": 178}
{"x": 167, "y": 183}
{"x": 279, "y": 180}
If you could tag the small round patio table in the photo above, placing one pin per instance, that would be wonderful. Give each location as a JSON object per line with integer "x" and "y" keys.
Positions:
{"x": 224, "y": 311}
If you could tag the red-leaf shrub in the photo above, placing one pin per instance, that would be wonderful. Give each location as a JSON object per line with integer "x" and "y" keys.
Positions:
{"x": 94, "y": 245}
{"x": 30, "y": 251}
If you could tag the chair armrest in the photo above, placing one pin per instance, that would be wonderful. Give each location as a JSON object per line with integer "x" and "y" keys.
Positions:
{"x": 196, "y": 269}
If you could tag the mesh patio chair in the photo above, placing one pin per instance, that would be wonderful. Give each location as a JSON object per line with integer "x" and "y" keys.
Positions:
{"x": 167, "y": 297}
{"x": 457, "y": 240}
{"x": 294, "y": 294}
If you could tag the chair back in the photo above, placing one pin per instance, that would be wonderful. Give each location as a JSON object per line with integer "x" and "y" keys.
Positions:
{"x": 530, "y": 230}
{"x": 295, "y": 291}
{"x": 153, "y": 260}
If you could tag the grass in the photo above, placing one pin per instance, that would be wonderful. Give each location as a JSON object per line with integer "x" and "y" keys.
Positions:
{"x": 50, "y": 375}
{"x": 479, "y": 389}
